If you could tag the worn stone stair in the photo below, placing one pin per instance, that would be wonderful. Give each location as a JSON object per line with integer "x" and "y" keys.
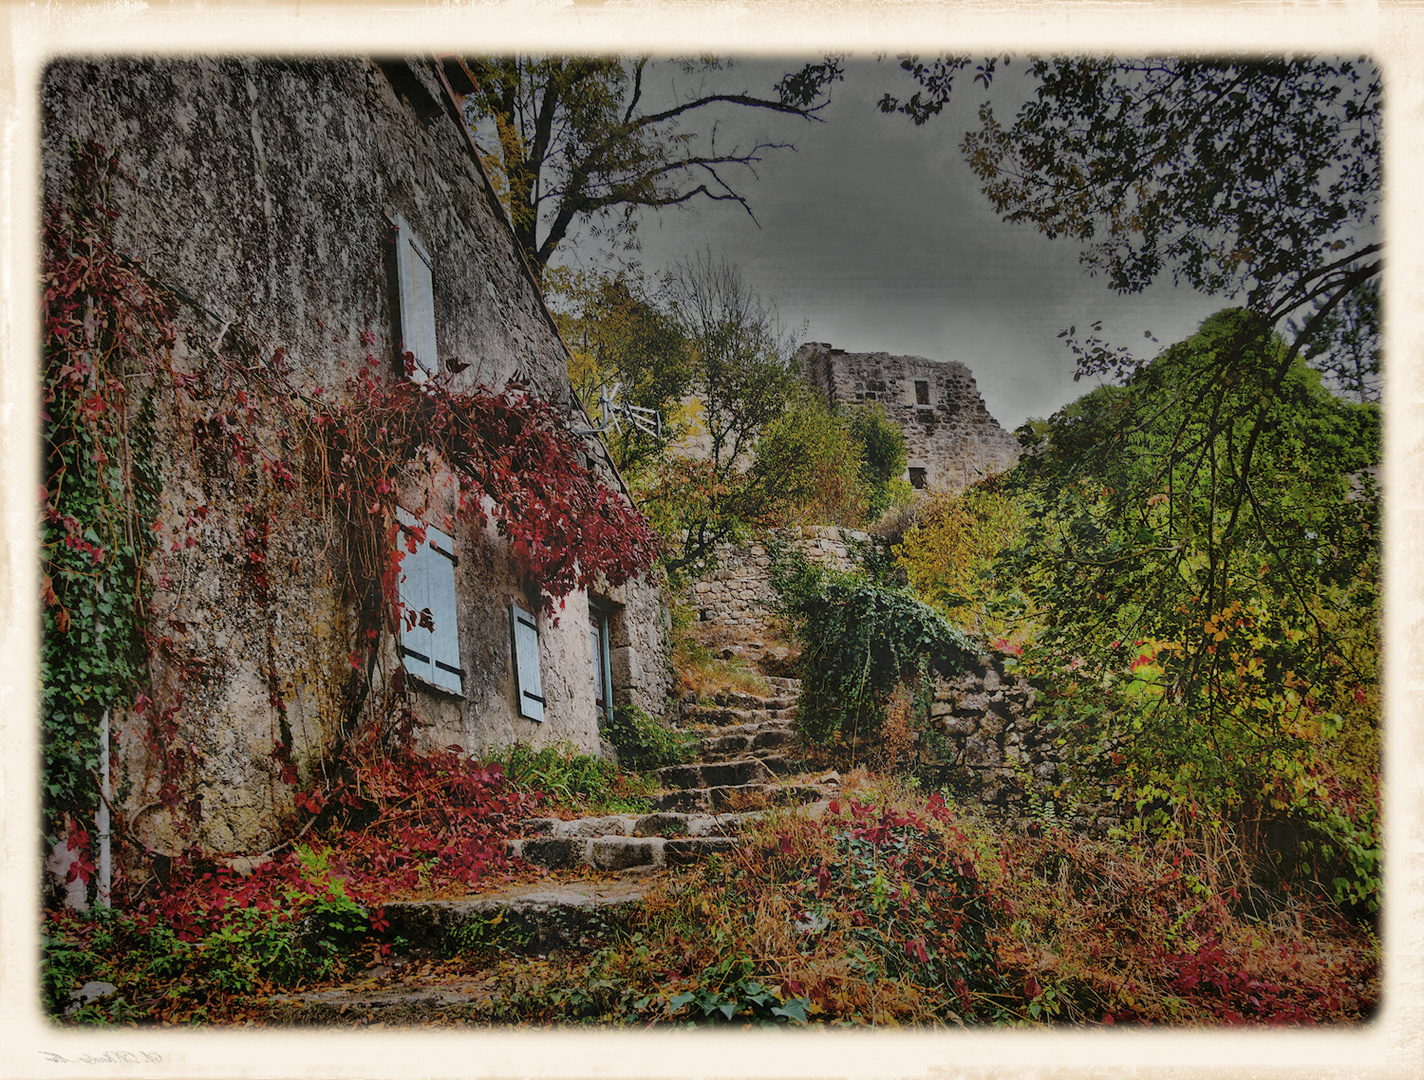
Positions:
{"x": 739, "y": 769}
{"x": 624, "y": 841}
{"x": 526, "y": 919}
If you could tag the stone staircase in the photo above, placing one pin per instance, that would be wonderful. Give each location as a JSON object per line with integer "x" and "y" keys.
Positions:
{"x": 605, "y": 865}
{"x": 738, "y": 770}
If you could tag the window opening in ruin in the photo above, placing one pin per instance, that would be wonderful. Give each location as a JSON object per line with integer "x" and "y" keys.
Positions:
{"x": 598, "y": 637}
{"x": 430, "y": 639}
{"x": 414, "y": 271}
{"x": 917, "y": 478}
{"x": 922, "y": 392}
{"x": 524, "y": 647}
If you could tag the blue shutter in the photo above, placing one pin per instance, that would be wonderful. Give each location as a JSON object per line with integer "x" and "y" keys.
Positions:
{"x": 417, "y": 300}
{"x": 524, "y": 645}
{"x": 445, "y": 646}
{"x": 430, "y": 653}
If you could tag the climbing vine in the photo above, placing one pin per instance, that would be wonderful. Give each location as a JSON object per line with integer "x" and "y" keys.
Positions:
{"x": 273, "y": 453}
{"x": 861, "y": 640}
{"x": 102, "y": 322}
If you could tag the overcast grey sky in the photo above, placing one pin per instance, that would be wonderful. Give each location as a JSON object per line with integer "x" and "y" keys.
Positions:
{"x": 874, "y": 232}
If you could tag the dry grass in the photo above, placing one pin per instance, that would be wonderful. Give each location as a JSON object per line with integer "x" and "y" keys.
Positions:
{"x": 1068, "y": 930}
{"x": 712, "y": 660}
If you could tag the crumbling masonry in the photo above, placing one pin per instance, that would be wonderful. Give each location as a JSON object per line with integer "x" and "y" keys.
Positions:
{"x": 950, "y": 439}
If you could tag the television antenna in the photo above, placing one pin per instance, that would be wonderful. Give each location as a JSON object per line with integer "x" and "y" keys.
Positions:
{"x": 616, "y": 413}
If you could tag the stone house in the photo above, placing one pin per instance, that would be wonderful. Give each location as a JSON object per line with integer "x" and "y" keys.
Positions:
{"x": 334, "y": 210}
{"x": 951, "y": 441}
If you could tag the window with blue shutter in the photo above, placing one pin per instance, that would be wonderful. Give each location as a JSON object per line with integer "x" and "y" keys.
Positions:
{"x": 602, "y": 680}
{"x": 524, "y": 644}
{"x": 414, "y": 271}
{"x": 430, "y": 639}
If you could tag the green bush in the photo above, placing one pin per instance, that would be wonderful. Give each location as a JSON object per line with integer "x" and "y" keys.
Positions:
{"x": 568, "y": 777}
{"x": 882, "y": 458}
{"x": 861, "y": 640}
{"x": 642, "y": 742}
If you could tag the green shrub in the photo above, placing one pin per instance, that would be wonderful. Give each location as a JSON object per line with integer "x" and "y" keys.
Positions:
{"x": 642, "y": 742}
{"x": 861, "y": 639}
{"x": 882, "y": 458}
{"x": 570, "y": 778}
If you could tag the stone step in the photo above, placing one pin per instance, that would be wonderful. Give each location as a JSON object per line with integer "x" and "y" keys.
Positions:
{"x": 538, "y": 917}
{"x": 751, "y": 727}
{"x": 617, "y": 852}
{"x": 383, "y": 1001}
{"x": 733, "y": 773}
{"x": 534, "y": 919}
{"x": 726, "y": 715}
{"x": 739, "y": 797}
{"x": 656, "y": 824}
{"x": 738, "y": 700}
{"x": 749, "y": 739}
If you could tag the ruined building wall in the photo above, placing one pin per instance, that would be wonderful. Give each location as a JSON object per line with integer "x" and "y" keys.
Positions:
{"x": 950, "y": 438}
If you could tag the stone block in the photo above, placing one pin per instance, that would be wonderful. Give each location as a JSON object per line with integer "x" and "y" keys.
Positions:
{"x": 661, "y": 825}
{"x": 555, "y": 852}
{"x": 610, "y": 825}
{"x": 626, "y": 667}
{"x": 979, "y": 751}
{"x": 959, "y": 727}
{"x": 620, "y": 853}
{"x": 972, "y": 704}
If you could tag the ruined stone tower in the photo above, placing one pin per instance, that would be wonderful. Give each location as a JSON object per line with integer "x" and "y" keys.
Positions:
{"x": 950, "y": 438}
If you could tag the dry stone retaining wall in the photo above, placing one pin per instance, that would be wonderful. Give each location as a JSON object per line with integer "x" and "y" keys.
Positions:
{"x": 981, "y": 741}
{"x": 737, "y": 593}
{"x": 983, "y": 744}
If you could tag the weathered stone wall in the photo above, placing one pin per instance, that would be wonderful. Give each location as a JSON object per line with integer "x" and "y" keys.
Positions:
{"x": 983, "y": 744}
{"x": 263, "y": 193}
{"x": 981, "y": 740}
{"x": 639, "y": 655}
{"x": 737, "y": 592}
{"x": 263, "y": 188}
{"x": 951, "y": 436}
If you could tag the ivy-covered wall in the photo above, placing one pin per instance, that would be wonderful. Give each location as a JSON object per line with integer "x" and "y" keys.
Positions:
{"x": 258, "y": 196}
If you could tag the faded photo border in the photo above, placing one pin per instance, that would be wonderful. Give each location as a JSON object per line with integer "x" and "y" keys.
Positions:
{"x": 1391, "y": 33}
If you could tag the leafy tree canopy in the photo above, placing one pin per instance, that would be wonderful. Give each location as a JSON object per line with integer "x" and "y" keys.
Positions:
{"x": 620, "y": 335}
{"x": 949, "y": 552}
{"x": 809, "y": 462}
{"x": 743, "y": 375}
{"x": 882, "y": 456}
{"x": 744, "y": 444}
{"x": 575, "y": 141}
{"x": 1250, "y": 178}
{"x": 703, "y": 490}
{"x": 1208, "y": 627}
